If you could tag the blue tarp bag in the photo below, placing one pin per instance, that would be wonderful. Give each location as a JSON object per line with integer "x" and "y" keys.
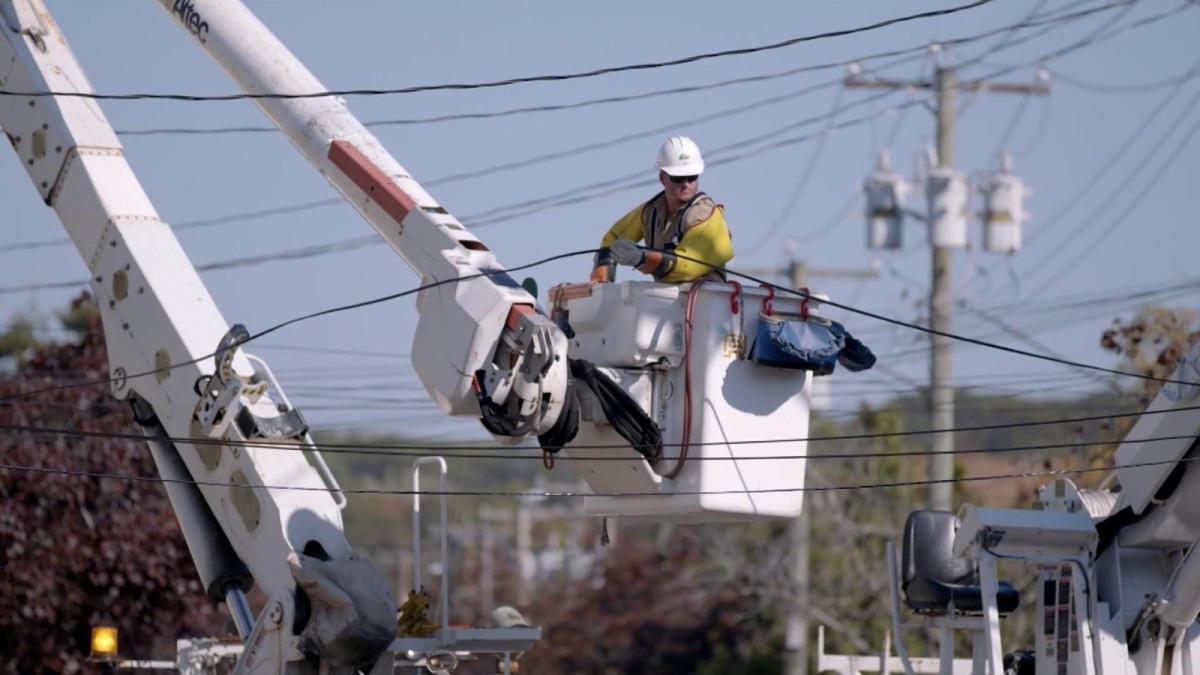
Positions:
{"x": 792, "y": 342}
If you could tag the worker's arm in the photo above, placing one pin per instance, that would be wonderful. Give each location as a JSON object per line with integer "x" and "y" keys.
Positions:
{"x": 705, "y": 246}
{"x": 628, "y": 227}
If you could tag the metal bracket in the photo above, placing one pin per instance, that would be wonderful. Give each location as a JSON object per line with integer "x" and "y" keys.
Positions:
{"x": 228, "y": 396}
{"x": 265, "y": 650}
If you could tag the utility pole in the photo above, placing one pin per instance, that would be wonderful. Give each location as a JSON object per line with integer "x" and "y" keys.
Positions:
{"x": 945, "y": 87}
{"x": 941, "y": 301}
{"x": 796, "y": 635}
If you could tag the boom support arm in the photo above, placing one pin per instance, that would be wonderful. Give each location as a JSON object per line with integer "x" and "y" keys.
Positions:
{"x": 203, "y": 416}
{"x": 478, "y": 340}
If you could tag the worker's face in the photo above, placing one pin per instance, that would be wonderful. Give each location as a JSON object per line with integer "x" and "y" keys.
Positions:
{"x": 679, "y": 188}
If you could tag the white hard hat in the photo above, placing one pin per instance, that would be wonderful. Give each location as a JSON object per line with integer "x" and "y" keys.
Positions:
{"x": 680, "y": 156}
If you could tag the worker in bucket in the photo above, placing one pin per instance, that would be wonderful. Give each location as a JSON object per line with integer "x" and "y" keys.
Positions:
{"x": 683, "y": 232}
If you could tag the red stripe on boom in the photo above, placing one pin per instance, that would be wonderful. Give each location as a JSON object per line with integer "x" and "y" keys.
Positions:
{"x": 370, "y": 179}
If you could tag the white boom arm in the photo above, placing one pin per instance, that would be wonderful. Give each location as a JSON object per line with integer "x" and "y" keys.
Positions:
{"x": 1119, "y": 568}
{"x": 476, "y": 334}
{"x": 160, "y": 327}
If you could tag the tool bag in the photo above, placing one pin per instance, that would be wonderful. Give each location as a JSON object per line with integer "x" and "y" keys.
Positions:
{"x": 796, "y": 343}
{"x": 808, "y": 344}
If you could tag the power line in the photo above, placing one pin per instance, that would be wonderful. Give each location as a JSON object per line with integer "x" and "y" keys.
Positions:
{"x": 559, "y": 107}
{"x": 1092, "y": 181}
{"x": 1044, "y": 105}
{"x": 1028, "y": 22}
{"x": 390, "y": 392}
{"x": 1141, "y": 129}
{"x": 535, "y": 454}
{"x": 299, "y": 253}
{"x": 1131, "y": 88}
{"x": 1027, "y": 314}
{"x": 1022, "y": 336}
{"x": 1062, "y": 270}
{"x": 639, "y": 178}
{"x": 1009, "y": 35}
{"x": 988, "y": 390}
{"x": 920, "y": 350}
{"x": 313, "y": 315}
{"x": 960, "y": 338}
{"x": 802, "y": 182}
{"x": 1137, "y": 170}
{"x": 598, "y": 446}
{"x": 802, "y": 294}
{"x": 572, "y": 494}
{"x": 836, "y": 219}
{"x": 329, "y": 350}
{"x": 652, "y": 65}
{"x": 634, "y": 180}
{"x": 1006, "y": 135}
{"x": 491, "y": 170}
{"x": 854, "y": 414}
{"x": 202, "y": 222}
{"x": 575, "y": 151}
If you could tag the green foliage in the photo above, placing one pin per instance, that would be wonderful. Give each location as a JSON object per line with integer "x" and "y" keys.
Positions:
{"x": 18, "y": 338}
{"x": 81, "y": 316}
{"x": 725, "y": 661}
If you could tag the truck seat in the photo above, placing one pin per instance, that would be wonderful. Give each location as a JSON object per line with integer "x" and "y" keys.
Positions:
{"x": 933, "y": 579}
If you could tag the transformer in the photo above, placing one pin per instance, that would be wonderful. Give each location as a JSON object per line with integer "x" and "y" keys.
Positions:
{"x": 1003, "y": 209}
{"x": 884, "y": 191}
{"x": 947, "y": 195}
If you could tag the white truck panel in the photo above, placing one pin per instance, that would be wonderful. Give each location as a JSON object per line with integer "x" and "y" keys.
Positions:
{"x": 1140, "y": 483}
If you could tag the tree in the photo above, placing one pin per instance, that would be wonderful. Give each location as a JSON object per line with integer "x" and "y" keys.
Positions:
{"x": 1152, "y": 343}
{"x": 658, "y": 607}
{"x": 18, "y": 337}
{"x": 78, "y": 551}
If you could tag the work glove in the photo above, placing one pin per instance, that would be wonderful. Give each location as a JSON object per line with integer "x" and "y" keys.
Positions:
{"x": 625, "y": 252}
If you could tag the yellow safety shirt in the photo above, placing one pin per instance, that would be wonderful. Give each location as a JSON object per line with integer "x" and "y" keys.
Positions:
{"x": 697, "y": 232}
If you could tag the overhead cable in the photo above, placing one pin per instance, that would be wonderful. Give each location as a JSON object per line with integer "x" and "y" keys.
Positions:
{"x": 1131, "y": 88}
{"x": 652, "y": 65}
{"x": 767, "y": 441}
{"x": 485, "y": 218}
{"x": 570, "y": 152}
{"x": 802, "y": 181}
{"x": 289, "y": 322}
{"x": 562, "y": 256}
{"x": 535, "y": 454}
{"x": 960, "y": 338}
{"x": 632, "y": 181}
{"x": 573, "y": 494}
{"x": 1062, "y": 270}
{"x": 1142, "y": 128}
{"x": 1028, "y": 22}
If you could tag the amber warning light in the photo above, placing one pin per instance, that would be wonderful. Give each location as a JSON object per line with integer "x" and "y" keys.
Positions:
{"x": 104, "y": 643}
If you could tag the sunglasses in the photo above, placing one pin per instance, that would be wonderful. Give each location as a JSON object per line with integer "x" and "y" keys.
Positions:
{"x": 682, "y": 179}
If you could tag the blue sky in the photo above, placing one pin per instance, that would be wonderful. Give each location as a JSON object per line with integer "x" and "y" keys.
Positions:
{"x": 1109, "y": 241}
